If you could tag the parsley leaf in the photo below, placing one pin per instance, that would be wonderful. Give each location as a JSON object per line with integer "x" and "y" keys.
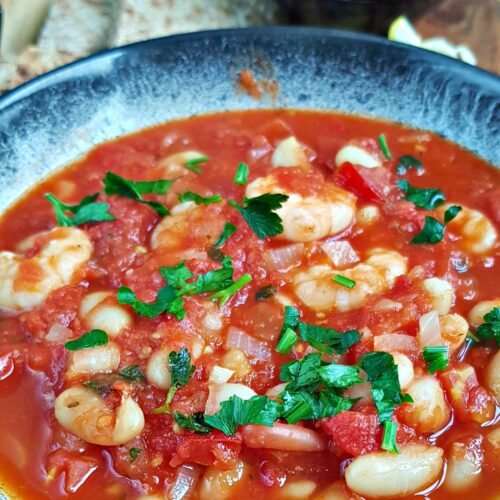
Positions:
{"x": 236, "y": 411}
{"x": 114, "y": 184}
{"x": 194, "y": 422}
{"x": 181, "y": 371}
{"x": 432, "y": 232}
{"x": 101, "y": 386}
{"x": 88, "y": 210}
{"x": 134, "y": 453}
{"x": 228, "y": 230}
{"x": 198, "y": 199}
{"x": 490, "y": 329}
{"x": 259, "y": 213}
{"x": 436, "y": 357}
{"x": 241, "y": 175}
{"x": 406, "y": 162}
{"x": 286, "y": 341}
{"x": 327, "y": 340}
{"x": 451, "y": 213}
{"x": 224, "y": 295}
{"x": 132, "y": 373}
{"x": 302, "y": 373}
{"x": 339, "y": 376}
{"x": 424, "y": 198}
{"x": 93, "y": 338}
{"x": 382, "y": 374}
{"x": 193, "y": 164}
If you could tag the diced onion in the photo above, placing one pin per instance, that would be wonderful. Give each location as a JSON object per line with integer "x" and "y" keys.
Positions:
{"x": 285, "y": 258}
{"x": 429, "y": 331}
{"x": 58, "y": 333}
{"x": 340, "y": 252}
{"x": 220, "y": 375}
{"x": 388, "y": 305}
{"x": 395, "y": 342}
{"x": 185, "y": 482}
{"x": 238, "y": 339}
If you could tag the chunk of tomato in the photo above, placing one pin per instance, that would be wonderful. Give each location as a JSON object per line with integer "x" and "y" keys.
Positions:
{"x": 358, "y": 433}
{"x": 76, "y": 468}
{"x": 213, "y": 449}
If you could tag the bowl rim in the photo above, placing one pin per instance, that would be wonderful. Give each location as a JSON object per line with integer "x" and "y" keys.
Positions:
{"x": 481, "y": 77}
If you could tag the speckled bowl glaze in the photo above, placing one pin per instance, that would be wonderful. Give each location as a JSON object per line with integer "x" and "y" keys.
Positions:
{"x": 55, "y": 118}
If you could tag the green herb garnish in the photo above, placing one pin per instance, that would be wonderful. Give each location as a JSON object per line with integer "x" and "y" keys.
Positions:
{"x": 260, "y": 215}
{"x": 382, "y": 142}
{"x": 490, "y": 329}
{"x": 389, "y": 438}
{"x": 181, "y": 371}
{"x": 134, "y": 453}
{"x": 198, "y": 199}
{"x": 241, "y": 176}
{"x": 436, "y": 357}
{"x": 451, "y": 213}
{"x": 224, "y": 295}
{"x": 93, "y": 338}
{"x": 195, "y": 422}
{"x": 265, "y": 292}
{"x": 114, "y": 184}
{"x": 99, "y": 386}
{"x": 133, "y": 373}
{"x": 193, "y": 164}
{"x": 228, "y": 230}
{"x": 327, "y": 340}
{"x": 88, "y": 210}
{"x": 424, "y": 198}
{"x": 286, "y": 342}
{"x": 432, "y": 232}
{"x": 406, "y": 162}
{"x": 342, "y": 280}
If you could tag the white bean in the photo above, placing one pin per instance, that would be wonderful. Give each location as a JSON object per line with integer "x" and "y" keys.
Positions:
{"x": 289, "y": 153}
{"x": 492, "y": 375}
{"x": 441, "y": 294}
{"x": 158, "y": 370}
{"x": 220, "y": 484}
{"x": 429, "y": 411}
{"x": 477, "y": 313}
{"x": 385, "y": 474}
{"x": 335, "y": 491}
{"x": 298, "y": 490}
{"x": 356, "y": 156}
{"x": 100, "y": 359}
{"x": 217, "y": 393}
{"x": 453, "y": 329}
{"x": 464, "y": 461}
{"x": 368, "y": 215}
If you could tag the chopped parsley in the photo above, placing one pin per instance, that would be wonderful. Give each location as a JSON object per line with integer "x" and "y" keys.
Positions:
{"x": 389, "y": 437}
{"x": 287, "y": 341}
{"x": 241, "y": 175}
{"x": 382, "y": 373}
{"x": 451, "y": 213}
{"x": 132, "y": 373}
{"x": 327, "y": 340}
{"x": 490, "y": 329}
{"x": 193, "y": 164}
{"x": 342, "y": 280}
{"x": 265, "y": 292}
{"x": 88, "y": 210}
{"x": 100, "y": 386}
{"x": 181, "y": 371}
{"x": 436, "y": 357}
{"x": 433, "y": 230}
{"x": 228, "y": 230}
{"x": 236, "y": 411}
{"x": 195, "y": 422}
{"x": 134, "y": 453}
{"x": 198, "y": 199}
{"x": 224, "y": 295}
{"x": 382, "y": 142}
{"x": 170, "y": 298}
{"x": 114, "y": 184}
{"x": 259, "y": 213}
{"x": 215, "y": 254}
{"x": 93, "y": 338}
{"x": 339, "y": 376}
{"x": 429, "y": 198}
{"x": 406, "y": 162}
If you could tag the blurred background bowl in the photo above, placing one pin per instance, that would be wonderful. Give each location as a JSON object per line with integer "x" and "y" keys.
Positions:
{"x": 373, "y": 16}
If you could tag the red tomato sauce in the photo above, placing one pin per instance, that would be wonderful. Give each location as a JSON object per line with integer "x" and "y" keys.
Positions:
{"x": 39, "y": 458}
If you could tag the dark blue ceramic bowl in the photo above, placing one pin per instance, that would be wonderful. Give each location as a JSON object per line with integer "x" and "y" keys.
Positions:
{"x": 57, "y": 117}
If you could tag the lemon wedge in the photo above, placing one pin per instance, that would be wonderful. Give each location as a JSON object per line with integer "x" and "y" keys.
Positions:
{"x": 401, "y": 30}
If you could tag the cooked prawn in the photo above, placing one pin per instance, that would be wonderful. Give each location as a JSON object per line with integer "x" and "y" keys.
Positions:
{"x": 316, "y": 289}
{"x": 309, "y": 218}
{"x": 26, "y": 282}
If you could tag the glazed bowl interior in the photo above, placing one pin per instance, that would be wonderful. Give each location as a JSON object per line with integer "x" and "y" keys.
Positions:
{"x": 56, "y": 118}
